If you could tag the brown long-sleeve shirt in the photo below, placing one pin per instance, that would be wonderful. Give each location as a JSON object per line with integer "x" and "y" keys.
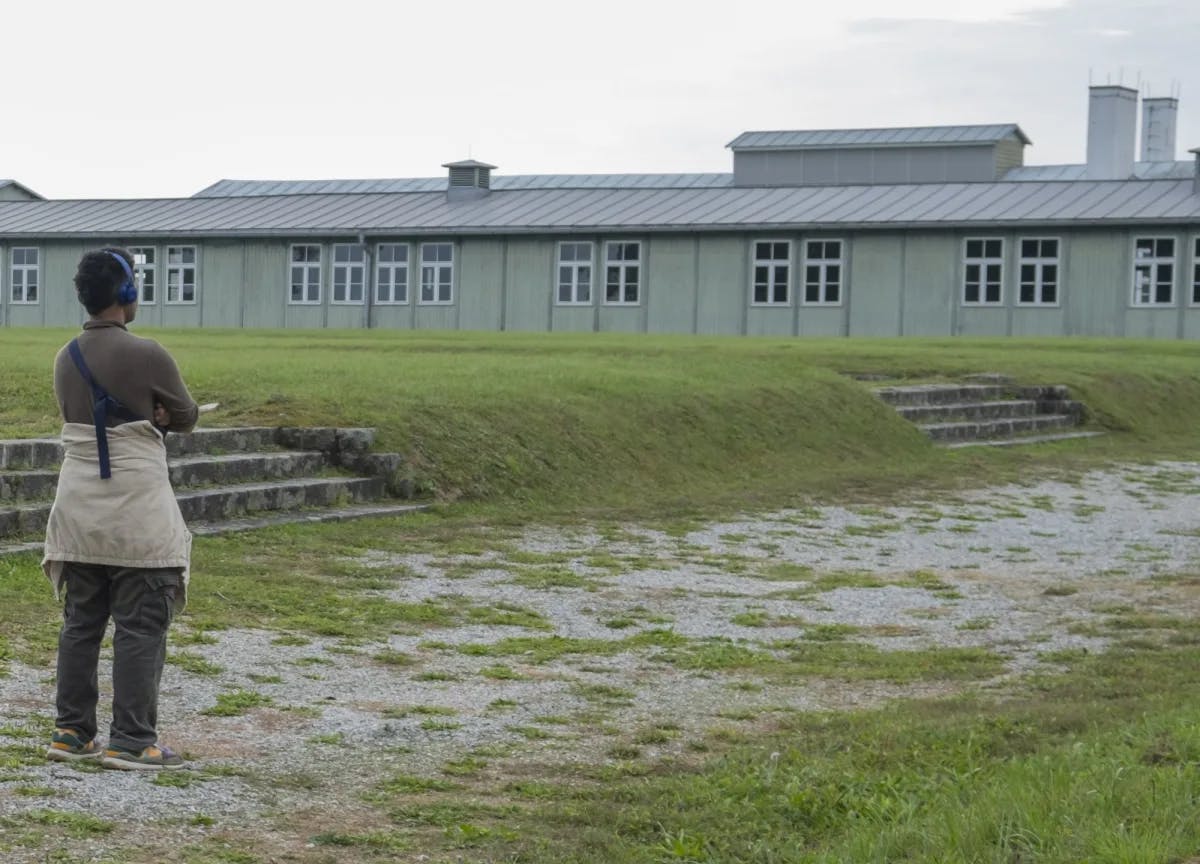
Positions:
{"x": 137, "y": 372}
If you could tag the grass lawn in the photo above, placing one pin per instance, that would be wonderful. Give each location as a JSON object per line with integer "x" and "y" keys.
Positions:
{"x": 1097, "y": 761}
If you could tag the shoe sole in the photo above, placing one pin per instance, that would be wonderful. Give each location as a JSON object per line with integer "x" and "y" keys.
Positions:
{"x": 129, "y": 765}
{"x": 65, "y": 756}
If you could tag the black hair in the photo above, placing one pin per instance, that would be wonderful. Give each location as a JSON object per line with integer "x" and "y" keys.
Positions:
{"x": 99, "y": 278}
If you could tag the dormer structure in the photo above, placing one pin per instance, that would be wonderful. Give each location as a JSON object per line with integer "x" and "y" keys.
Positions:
{"x": 847, "y": 157}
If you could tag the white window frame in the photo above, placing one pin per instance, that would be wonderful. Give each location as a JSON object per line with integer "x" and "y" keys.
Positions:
{"x": 983, "y": 262}
{"x": 1153, "y": 262}
{"x": 345, "y": 270}
{"x": 773, "y": 265}
{"x": 395, "y": 268}
{"x": 823, "y": 280}
{"x": 142, "y": 268}
{"x": 309, "y": 268}
{"x": 25, "y": 269}
{"x": 1196, "y": 270}
{"x": 181, "y": 268}
{"x": 436, "y": 268}
{"x": 623, "y": 266}
{"x": 575, "y": 265}
{"x": 1039, "y": 262}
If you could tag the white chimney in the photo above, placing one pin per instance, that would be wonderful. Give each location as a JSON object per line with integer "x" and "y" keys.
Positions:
{"x": 1112, "y": 132}
{"x": 1158, "y": 129}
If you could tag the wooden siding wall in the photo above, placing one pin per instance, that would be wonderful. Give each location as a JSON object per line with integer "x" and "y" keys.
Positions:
{"x": 895, "y": 284}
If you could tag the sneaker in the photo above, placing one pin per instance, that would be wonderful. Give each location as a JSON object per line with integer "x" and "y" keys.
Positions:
{"x": 153, "y": 758}
{"x": 67, "y": 745}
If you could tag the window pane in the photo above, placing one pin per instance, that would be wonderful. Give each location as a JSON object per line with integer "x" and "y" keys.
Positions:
{"x": 833, "y": 291}
{"x": 1029, "y": 248}
{"x": 760, "y": 292}
{"x": 974, "y": 248}
{"x": 833, "y": 273}
{"x": 781, "y": 252}
{"x": 762, "y": 251}
{"x": 1144, "y": 248}
{"x": 612, "y": 287}
{"x": 1027, "y": 295}
{"x": 1050, "y": 292}
{"x": 971, "y": 294}
{"x": 994, "y": 248}
{"x": 1164, "y": 248}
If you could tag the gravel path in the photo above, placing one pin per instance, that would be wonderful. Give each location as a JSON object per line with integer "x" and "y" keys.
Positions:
{"x": 1020, "y": 571}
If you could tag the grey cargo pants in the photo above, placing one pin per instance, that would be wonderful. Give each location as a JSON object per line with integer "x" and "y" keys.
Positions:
{"x": 141, "y": 604}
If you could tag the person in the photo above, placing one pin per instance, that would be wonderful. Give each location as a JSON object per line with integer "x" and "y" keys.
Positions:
{"x": 116, "y": 543}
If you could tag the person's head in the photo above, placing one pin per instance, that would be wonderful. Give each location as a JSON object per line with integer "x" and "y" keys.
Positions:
{"x": 100, "y": 278}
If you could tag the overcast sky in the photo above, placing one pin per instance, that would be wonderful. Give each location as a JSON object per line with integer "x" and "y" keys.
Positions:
{"x": 132, "y": 98}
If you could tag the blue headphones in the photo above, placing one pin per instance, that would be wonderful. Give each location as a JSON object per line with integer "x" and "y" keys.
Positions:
{"x": 128, "y": 293}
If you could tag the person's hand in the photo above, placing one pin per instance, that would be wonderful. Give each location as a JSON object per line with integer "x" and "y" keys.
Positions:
{"x": 162, "y": 418}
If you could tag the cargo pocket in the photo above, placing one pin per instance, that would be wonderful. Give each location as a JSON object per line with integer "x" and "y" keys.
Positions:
{"x": 163, "y": 588}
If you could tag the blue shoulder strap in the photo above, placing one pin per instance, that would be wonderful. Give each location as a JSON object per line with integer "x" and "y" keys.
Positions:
{"x": 102, "y": 404}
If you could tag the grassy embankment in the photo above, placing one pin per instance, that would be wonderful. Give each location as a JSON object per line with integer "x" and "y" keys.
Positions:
{"x": 1097, "y": 764}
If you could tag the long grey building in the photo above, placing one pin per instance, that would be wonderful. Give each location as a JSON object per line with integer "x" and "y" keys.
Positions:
{"x": 870, "y": 232}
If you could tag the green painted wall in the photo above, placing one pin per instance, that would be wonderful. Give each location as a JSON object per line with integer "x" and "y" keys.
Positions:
{"x": 482, "y": 275}
{"x": 896, "y": 284}
{"x": 529, "y": 278}
{"x": 877, "y": 281}
{"x": 930, "y": 270}
{"x": 722, "y": 289}
{"x": 671, "y": 284}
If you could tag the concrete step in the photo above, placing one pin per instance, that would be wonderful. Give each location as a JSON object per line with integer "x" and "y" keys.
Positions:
{"x": 947, "y": 394}
{"x": 204, "y": 529}
{"x": 997, "y": 428}
{"x": 215, "y": 505}
{"x": 244, "y": 467}
{"x": 955, "y": 411}
{"x": 941, "y": 394}
{"x": 186, "y": 471}
{"x": 30, "y": 453}
{"x": 344, "y": 445}
{"x": 27, "y": 485}
{"x": 1021, "y": 440}
{"x": 228, "y": 502}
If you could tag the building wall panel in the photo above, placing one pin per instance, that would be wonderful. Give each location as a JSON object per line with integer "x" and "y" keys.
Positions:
{"x": 529, "y": 288}
{"x": 1098, "y": 283}
{"x": 481, "y": 283}
{"x": 671, "y": 284}
{"x": 821, "y": 321}
{"x": 224, "y": 287}
{"x": 931, "y": 268}
{"x": 876, "y": 279}
{"x": 771, "y": 321}
{"x": 722, "y": 291}
{"x": 265, "y": 273}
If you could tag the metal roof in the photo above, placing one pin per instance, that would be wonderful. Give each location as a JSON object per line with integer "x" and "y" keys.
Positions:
{"x": 242, "y": 188}
{"x": 22, "y": 187}
{"x": 1141, "y": 171}
{"x": 911, "y": 136}
{"x": 943, "y": 205}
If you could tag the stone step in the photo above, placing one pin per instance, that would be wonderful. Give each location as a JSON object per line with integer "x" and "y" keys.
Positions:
{"x": 1026, "y": 439}
{"x": 946, "y": 394}
{"x": 30, "y": 453}
{"x": 954, "y": 411}
{"x": 941, "y": 394}
{"x": 186, "y": 471}
{"x": 228, "y": 502}
{"x": 204, "y": 529}
{"x": 344, "y": 445}
{"x": 27, "y": 485}
{"x": 244, "y": 467}
{"x": 997, "y": 428}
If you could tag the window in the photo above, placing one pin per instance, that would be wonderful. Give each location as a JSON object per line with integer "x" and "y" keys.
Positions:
{"x": 1039, "y": 269}
{"x": 575, "y": 273}
{"x": 983, "y": 271}
{"x": 622, "y": 270}
{"x": 823, "y": 272}
{"x": 349, "y": 272}
{"x": 145, "y": 272}
{"x": 24, "y": 275}
{"x": 1196, "y": 270}
{"x": 772, "y": 272}
{"x": 391, "y": 273}
{"x": 1153, "y": 271}
{"x": 306, "y": 274}
{"x": 437, "y": 272}
{"x": 181, "y": 274}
